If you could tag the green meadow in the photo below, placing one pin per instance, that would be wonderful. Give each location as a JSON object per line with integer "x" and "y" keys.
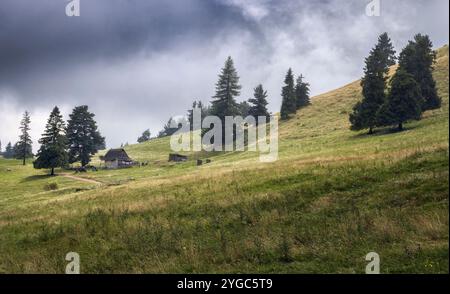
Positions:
{"x": 332, "y": 197}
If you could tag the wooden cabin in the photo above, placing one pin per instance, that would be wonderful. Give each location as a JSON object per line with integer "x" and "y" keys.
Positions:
{"x": 117, "y": 158}
{"x": 177, "y": 157}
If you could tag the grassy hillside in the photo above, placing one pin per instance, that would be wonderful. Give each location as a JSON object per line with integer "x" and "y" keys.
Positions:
{"x": 333, "y": 196}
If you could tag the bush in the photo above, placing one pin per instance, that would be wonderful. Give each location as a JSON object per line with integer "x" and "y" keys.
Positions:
{"x": 51, "y": 186}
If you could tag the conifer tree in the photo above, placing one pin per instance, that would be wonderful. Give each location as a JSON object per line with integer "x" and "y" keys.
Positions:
{"x": 23, "y": 148}
{"x": 83, "y": 137}
{"x": 18, "y": 151}
{"x": 244, "y": 108}
{"x": 144, "y": 137}
{"x": 168, "y": 130}
{"x": 259, "y": 103}
{"x": 403, "y": 102}
{"x": 418, "y": 59}
{"x": 203, "y": 111}
{"x": 388, "y": 57}
{"x": 190, "y": 115}
{"x": 52, "y": 153}
{"x": 301, "y": 93}
{"x": 373, "y": 85}
{"x": 9, "y": 151}
{"x": 227, "y": 89}
{"x": 288, "y": 103}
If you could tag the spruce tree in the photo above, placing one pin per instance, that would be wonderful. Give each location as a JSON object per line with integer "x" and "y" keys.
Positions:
{"x": 23, "y": 149}
{"x": 387, "y": 52}
{"x": 403, "y": 102}
{"x": 259, "y": 103}
{"x": 52, "y": 153}
{"x": 244, "y": 108}
{"x": 144, "y": 137}
{"x": 168, "y": 130}
{"x": 301, "y": 93}
{"x": 83, "y": 137}
{"x": 9, "y": 151}
{"x": 373, "y": 85}
{"x": 227, "y": 89}
{"x": 418, "y": 59}
{"x": 190, "y": 115}
{"x": 288, "y": 103}
{"x": 18, "y": 151}
{"x": 203, "y": 111}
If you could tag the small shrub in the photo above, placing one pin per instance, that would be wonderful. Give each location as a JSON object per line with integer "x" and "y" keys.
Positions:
{"x": 51, "y": 186}
{"x": 284, "y": 249}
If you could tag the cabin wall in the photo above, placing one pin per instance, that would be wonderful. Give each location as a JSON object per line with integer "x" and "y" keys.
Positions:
{"x": 122, "y": 163}
{"x": 112, "y": 164}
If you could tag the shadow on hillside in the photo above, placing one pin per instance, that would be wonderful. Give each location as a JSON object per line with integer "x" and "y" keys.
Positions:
{"x": 36, "y": 178}
{"x": 383, "y": 131}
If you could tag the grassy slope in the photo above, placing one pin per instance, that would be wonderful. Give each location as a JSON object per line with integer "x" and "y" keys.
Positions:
{"x": 333, "y": 196}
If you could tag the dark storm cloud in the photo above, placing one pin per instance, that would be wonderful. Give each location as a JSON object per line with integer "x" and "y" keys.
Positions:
{"x": 37, "y": 35}
{"x": 137, "y": 62}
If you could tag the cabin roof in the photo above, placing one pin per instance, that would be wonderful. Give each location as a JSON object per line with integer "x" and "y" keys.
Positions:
{"x": 117, "y": 154}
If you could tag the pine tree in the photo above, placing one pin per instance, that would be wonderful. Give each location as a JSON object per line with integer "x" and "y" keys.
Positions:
{"x": 0, "y": 147}
{"x": 373, "y": 85}
{"x": 18, "y": 151}
{"x": 418, "y": 59}
{"x": 9, "y": 151}
{"x": 288, "y": 103}
{"x": 403, "y": 102}
{"x": 83, "y": 137}
{"x": 203, "y": 111}
{"x": 259, "y": 103}
{"x": 145, "y": 136}
{"x": 168, "y": 130}
{"x": 190, "y": 115}
{"x": 244, "y": 108}
{"x": 387, "y": 52}
{"x": 301, "y": 93}
{"x": 23, "y": 149}
{"x": 52, "y": 152}
{"x": 227, "y": 89}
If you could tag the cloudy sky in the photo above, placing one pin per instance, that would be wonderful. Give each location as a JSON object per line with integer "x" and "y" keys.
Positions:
{"x": 138, "y": 62}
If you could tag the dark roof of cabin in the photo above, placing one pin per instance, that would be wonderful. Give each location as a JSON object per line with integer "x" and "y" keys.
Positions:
{"x": 177, "y": 155}
{"x": 118, "y": 154}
